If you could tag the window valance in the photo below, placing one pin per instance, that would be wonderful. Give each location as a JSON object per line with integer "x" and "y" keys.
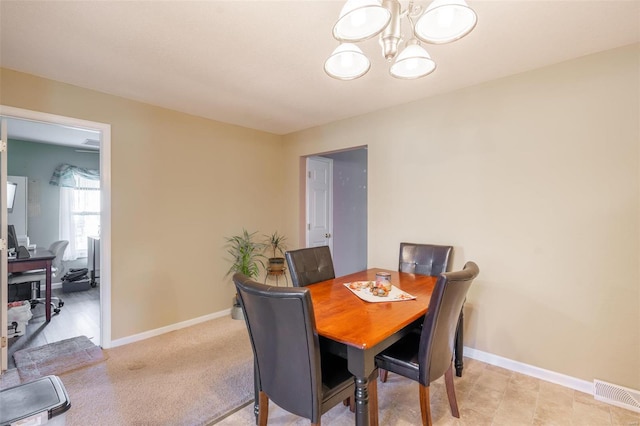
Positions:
{"x": 66, "y": 175}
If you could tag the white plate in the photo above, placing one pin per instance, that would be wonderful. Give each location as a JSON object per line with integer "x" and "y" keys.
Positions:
{"x": 362, "y": 291}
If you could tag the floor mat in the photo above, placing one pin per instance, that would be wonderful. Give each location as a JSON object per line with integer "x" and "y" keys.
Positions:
{"x": 56, "y": 358}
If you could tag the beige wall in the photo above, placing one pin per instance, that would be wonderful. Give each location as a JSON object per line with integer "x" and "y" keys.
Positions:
{"x": 180, "y": 184}
{"x": 536, "y": 178}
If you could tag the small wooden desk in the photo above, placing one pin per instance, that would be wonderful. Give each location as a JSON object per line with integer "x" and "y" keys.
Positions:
{"x": 40, "y": 259}
{"x": 367, "y": 328}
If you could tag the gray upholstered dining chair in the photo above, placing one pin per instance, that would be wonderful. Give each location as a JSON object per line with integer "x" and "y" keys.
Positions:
{"x": 422, "y": 259}
{"x": 290, "y": 369}
{"x": 310, "y": 265}
{"x": 427, "y": 356}
{"x": 57, "y": 248}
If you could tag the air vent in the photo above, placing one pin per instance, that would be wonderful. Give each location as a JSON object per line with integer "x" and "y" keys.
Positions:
{"x": 616, "y": 395}
{"x": 91, "y": 142}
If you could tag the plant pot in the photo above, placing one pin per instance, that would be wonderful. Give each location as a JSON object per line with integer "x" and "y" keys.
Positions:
{"x": 236, "y": 309}
{"x": 276, "y": 264}
{"x": 236, "y": 313}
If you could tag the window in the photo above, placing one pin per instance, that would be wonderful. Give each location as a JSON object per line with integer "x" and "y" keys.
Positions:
{"x": 79, "y": 207}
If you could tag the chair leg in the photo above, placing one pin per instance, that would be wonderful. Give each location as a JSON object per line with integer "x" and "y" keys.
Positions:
{"x": 451, "y": 391}
{"x": 351, "y": 403}
{"x": 425, "y": 405}
{"x": 263, "y": 408}
{"x": 383, "y": 375}
{"x": 373, "y": 401}
{"x": 459, "y": 344}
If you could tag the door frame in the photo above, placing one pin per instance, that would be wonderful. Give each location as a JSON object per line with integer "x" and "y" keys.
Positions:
{"x": 105, "y": 214}
{"x": 304, "y": 197}
{"x": 4, "y": 218}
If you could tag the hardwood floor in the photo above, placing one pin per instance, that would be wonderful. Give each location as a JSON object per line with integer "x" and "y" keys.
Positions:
{"x": 79, "y": 316}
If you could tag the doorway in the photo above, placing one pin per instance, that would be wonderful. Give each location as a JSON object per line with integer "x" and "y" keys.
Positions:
{"x": 346, "y": 208}
{"x": 103, "y": 132}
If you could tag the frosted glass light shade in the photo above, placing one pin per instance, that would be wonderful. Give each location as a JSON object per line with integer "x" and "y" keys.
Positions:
{"x": 347, "y": 62}
{"x": 360, "y": 20}
{"x": 412, "y": 62}
{"x": 445, "y": 21}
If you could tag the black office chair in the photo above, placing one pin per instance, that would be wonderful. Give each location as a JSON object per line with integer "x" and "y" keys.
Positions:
{"x": 290, "y": 369}
{"x": 422, "y": 259}
{"x": 310, "y": 265}
{"x": 57, "y": 248}
{"x": 428, "y": 356}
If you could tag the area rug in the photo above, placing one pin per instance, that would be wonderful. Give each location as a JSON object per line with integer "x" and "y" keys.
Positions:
{"x": 56, "y": 358}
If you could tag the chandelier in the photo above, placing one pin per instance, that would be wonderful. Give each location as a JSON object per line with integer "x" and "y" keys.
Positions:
{"x": 442, "y": 22}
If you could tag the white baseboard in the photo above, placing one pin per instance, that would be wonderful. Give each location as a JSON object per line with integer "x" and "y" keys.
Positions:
{"x": 519, "y": 367}
{"x": 530, "y": 370}
{"x": 172, "y": 327}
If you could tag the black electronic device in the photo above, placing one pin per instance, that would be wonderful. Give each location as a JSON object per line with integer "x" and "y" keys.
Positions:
{"x": 12, "y": 243}
{"x": 23, "y": 253}
{"x": 12, "y": 239}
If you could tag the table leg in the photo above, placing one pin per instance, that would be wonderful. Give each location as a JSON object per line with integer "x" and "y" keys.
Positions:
{"x": 48, "y": 291}
{"x": 362, "y": 366}
{"x": 362, "y": 401}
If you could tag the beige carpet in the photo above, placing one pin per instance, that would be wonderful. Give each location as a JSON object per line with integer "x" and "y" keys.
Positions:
{"x": 56, "y": 358}
{"x": 186, "y": 377}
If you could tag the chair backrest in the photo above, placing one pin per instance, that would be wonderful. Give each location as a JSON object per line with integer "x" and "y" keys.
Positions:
{"x": 58, "y": 248}
{"x": 441, "y": 321}
{"x": 285, "y": 344}
{"x": 310, "y": 265}
{"x": 424, "y": 259}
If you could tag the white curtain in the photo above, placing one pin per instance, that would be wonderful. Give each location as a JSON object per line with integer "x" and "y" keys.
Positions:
{"x": 67, "y": 223}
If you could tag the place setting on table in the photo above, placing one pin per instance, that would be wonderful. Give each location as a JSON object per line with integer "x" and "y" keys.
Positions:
{"x": 380, "y": 290}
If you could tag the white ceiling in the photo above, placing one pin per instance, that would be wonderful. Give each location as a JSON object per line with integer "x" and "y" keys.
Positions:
{"x": 34, "y": 131}
{"x": 259, "y": 64}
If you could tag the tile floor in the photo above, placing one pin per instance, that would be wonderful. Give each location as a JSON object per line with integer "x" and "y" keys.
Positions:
{"x": 487, "y": 395}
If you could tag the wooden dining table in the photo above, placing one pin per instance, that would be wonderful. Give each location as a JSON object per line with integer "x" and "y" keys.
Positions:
{"x": 359, "y": 330}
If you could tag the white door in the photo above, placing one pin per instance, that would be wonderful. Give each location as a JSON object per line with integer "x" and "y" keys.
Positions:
{"x": 4, "y": 296}
{"x": 319, "y": 203}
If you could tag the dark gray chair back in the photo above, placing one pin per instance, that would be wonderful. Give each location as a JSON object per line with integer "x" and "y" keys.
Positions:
{"x": 424, "y": 259}
{"x": 441, "y": 321}
{"x": 285, "y": 344}
{"x": 310, "y": 265}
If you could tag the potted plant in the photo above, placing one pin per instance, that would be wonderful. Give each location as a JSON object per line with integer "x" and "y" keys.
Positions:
{"x": 246, "y": 255}
{"x": 276, "y": 244}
